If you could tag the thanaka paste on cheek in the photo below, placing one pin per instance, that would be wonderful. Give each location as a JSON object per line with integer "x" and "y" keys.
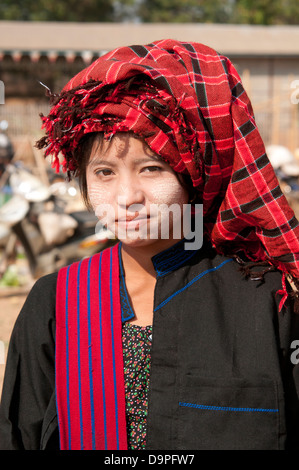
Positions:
{"x": 168, "y": 191}
{"x": 98, "y": 195}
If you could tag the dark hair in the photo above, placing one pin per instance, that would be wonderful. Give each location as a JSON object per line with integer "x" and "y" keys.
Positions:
{"x": 82, "y": 156}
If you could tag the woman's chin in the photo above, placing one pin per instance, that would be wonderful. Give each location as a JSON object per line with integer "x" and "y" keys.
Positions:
{"x": 134, "y": 241}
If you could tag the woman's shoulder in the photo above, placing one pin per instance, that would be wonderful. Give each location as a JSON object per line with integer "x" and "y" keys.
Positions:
{"x": 247, "y": 280}
{"x": 46, "y": 282}
{"x": 242, "y": 276}
{"x": 44, "y": 288}
{"x": 39, "y": 306}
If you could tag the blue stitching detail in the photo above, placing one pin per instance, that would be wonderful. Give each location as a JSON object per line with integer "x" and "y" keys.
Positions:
{"x": 126, "y": 309}
{"x": 90, "y": 356}
{"x": 192, "y": 282}
{"x": 165, "y": 270}
{"x": 67, "y": 355}
{"x": 164, "y": 262}
{"x": 113, "y": 349}
{"x": 79, "y": 357}
{"x": 102, "y": 358}
{"x": 228, "y": 408}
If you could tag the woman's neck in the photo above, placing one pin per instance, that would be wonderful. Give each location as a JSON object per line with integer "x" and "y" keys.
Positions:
{"x": 140, "y": 278}
{"x": 138, "y": 260}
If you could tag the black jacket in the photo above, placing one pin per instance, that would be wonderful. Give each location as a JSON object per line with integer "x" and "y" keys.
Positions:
{"x": 223, "y": 372}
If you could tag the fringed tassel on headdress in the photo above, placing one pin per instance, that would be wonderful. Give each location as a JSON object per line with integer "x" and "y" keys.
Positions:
{"x": 290, "y": 285}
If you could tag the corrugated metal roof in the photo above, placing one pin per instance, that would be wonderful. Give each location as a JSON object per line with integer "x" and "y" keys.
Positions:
{"x": 97, "y": 38}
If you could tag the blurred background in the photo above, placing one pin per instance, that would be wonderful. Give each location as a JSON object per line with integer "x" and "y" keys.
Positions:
{"x": 43, "y": 43}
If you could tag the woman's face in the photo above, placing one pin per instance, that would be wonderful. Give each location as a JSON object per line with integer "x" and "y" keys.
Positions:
{"x": 134, "y": 192}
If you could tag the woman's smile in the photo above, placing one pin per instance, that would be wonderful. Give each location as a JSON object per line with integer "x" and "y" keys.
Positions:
{"x": 132, "y": 222}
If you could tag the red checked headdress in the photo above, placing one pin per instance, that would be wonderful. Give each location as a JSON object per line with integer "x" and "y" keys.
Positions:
{"x": 188, "y": 103}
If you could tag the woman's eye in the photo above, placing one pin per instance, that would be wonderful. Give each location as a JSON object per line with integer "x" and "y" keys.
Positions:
{"x": 103, "y": 172}
{"x": 151, "y": 169}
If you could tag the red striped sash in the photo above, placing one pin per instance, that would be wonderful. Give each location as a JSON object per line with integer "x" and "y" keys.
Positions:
{"x": 90, "y": 392}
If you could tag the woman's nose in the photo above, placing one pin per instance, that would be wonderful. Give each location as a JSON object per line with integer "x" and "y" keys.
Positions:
{"x": 129, "y": 192}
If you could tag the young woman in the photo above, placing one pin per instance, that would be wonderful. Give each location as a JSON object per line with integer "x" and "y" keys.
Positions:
{"x": 157, "y": 342}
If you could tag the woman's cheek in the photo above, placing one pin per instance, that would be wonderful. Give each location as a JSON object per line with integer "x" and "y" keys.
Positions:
{"x": 168, "y": 191}
{"x": 98, "y": 195}
{"x": 100, "y": 199}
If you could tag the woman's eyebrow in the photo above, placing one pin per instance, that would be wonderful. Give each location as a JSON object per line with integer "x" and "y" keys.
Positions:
{"x": 96, "y": 161}
{"x": 137, "y": 161}
{"x": 150, "y": 159}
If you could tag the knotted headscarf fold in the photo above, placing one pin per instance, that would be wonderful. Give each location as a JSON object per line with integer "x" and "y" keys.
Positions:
{"x": 188, "y": 103}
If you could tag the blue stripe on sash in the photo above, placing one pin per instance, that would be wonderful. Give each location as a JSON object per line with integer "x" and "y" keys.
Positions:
{"x": 79, "y": 357}
{"x": 90, "y": 358}
{"x": 113, "y": 351}
{"x": 67, "y": 356}
{"x": 101, "y": 355}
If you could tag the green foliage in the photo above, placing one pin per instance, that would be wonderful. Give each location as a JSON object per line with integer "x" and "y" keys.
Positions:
{"x": 57, "y": 10}
{"x": 10, "y": 278}
{"x": 180, "y": 11}
{"x": 264, "y": 12}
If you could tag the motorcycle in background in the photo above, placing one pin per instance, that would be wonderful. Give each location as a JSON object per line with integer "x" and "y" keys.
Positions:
{"x": 49, "y": 223}
{"x": 286, "y": 167}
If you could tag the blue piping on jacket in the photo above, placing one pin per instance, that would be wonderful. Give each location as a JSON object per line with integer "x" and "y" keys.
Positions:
{"x": 199, "y": 276}
{"x": 228, "y": 408}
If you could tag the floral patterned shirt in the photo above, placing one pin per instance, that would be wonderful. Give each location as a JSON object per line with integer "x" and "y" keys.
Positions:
{"x": 137, "y": 341}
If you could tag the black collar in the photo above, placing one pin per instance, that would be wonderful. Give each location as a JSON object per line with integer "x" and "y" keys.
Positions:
{"x": 172, "y": 258}
{"x": 164, "y": 262}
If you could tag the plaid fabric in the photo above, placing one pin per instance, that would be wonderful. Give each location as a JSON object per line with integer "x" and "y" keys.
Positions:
{"x": 189, "y": 104}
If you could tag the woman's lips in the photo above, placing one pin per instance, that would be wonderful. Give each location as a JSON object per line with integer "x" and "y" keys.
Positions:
{"x": 131, "y": 221}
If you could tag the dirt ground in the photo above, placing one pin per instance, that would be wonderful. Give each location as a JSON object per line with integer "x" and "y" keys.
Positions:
{"x": 11, "y": 302}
